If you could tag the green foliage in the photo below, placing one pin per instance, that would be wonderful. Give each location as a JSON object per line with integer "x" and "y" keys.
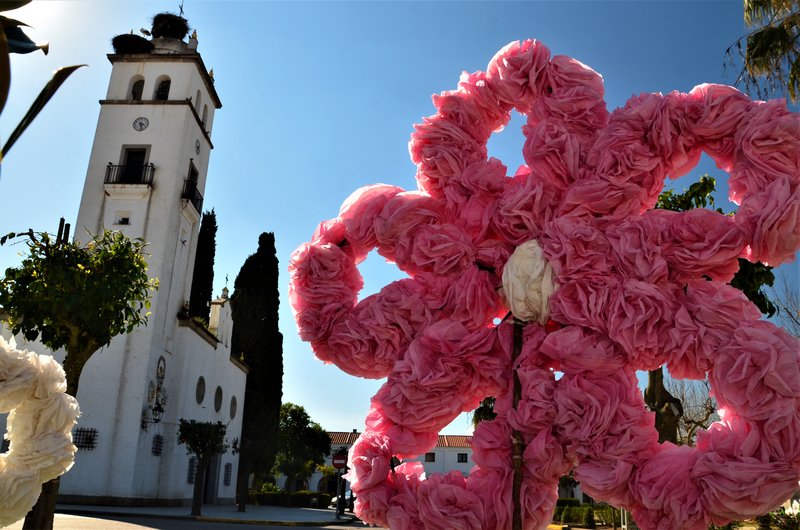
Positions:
{"x": 750, "y": 279}
{"x": 297, "y": 499}
{"x": 256, "y": 337}
{"x": 769, "y": 53}
{"x": 203, "y": 439}
{"x": 269, "y": 487}
{"x": 568, "y": 514}
{"x": 484, "y": 412}
{"x": 588, "y": 518}
{"x": 77, "y": 297}
{"x": 699, "y": 195}
{"x": 785, "y": 520}
{"x": 557, "y": 513}
{"x": 730, "y": 526}
{"x": 607, "y": 516}
{"x": 303, "y": 444}
{"x": 203, "y": 276}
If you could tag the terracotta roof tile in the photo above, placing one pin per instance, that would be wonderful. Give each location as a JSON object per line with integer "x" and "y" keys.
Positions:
{"x": 445, "y": 440}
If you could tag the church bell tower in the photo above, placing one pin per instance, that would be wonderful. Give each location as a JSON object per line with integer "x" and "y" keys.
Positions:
{"x": 146, "y": 177}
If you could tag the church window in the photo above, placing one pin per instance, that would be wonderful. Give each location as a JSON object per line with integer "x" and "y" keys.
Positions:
{"x": 234, "y": 406}
{"x": 462, "y": 458}
{"x": 226, "y": 480}
{"x": 430, "y": 457}
{"x": 85, "y": 438}
{"x": 218, "y": 399}
{"x": 162, "y": 89}
{"x": 137, "y": 88}
{"x": 158, "y": 445}
{"x": 200, "y": 390}
{"x": 197, "y": 100}
{"x": 205, "y": 114}
{"x": 192, "y": 470}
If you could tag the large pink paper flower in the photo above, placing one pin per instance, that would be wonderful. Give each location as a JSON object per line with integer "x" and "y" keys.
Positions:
{"x": 599, "y": 285}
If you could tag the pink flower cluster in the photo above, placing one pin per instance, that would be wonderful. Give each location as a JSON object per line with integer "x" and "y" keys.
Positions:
{"x": 637, "y": 289}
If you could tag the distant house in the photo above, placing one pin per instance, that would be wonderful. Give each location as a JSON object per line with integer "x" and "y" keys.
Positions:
{"x": 451, "y": 452}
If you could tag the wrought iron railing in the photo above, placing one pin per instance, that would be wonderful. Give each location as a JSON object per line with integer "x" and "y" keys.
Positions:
{"x": 130, "y": 174}
{"x": 192, "y": 194}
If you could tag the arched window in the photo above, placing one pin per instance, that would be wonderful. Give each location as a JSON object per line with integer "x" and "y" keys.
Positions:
{"x": 205, "y": 114}
{"x": 197, "y": 101}
{"x": 137, "y": 87}
{"x": 162, "y": 89}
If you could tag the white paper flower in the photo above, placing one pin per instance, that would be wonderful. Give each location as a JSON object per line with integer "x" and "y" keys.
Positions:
{"x": 39, "y": 427}
{"x": 528, "y": 283}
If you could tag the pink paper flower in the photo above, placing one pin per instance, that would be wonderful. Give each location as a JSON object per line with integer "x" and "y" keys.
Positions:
{"x": 629, "y": 288}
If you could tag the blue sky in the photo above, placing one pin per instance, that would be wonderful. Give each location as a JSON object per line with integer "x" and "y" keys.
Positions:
{"x": 319, "y": 98}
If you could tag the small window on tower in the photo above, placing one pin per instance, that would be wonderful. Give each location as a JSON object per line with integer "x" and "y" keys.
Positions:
{"x": 136, "y": 90}
{"x": 123, "y": 218}
{"x": 162, "y": 89}
{"x": 430, "y": 457}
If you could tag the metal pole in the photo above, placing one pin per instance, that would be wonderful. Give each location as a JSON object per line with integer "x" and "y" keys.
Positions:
{"x": 340, "y": 498}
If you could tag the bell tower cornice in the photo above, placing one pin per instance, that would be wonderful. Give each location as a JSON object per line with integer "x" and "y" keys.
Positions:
{"x": 192, "y": 57}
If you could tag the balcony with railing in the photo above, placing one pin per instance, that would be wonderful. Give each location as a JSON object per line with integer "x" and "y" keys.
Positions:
{"x": 130, "y": 174}
{"x": 192, "y": 194}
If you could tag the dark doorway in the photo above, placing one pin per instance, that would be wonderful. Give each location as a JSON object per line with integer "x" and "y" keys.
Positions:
{"x": 133, "y": 170}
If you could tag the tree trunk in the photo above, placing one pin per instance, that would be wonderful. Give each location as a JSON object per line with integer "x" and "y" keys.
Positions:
{"x": 41, "y": 515}
{"x": 667, "y": 407}
{"x": 199, "y": 483}
{"x": 242, "y": 479}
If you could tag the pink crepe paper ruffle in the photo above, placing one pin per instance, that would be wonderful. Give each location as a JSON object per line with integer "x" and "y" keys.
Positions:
{"x": 635, "y": 289}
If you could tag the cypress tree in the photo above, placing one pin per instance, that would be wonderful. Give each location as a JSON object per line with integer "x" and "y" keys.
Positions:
{"x": 257, "y": 339}
{"x": 203, "y": 277}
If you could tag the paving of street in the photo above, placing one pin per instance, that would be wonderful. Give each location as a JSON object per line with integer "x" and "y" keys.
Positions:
{"x": 107, "y": 522}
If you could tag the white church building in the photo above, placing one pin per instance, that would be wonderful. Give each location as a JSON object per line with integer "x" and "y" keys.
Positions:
{"x": 146, "y": 177}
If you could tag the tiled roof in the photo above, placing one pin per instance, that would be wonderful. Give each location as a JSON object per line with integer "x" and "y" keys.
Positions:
{"x": 454, "y": 440}
{"x": 339, "y": 438}
{"x": 445, "y": 440}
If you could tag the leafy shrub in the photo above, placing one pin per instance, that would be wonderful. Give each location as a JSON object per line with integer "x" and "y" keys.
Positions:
{"x": 297, "y": 499}
{"x": 557, "y": 513}
{"x": 269, "y": 487}
{"x": 606, "y": 516}
{"x": 588, "y": 518}
{"x": 567, "y": 514}
{"x": 786, "y": 520}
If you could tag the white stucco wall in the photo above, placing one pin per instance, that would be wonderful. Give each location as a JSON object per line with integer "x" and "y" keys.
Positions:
{"x": 116, "y": 388}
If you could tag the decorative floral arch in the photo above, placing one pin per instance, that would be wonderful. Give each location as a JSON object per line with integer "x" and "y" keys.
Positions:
{"x": 599, "y": 284}
{"x": 40, "y": 420}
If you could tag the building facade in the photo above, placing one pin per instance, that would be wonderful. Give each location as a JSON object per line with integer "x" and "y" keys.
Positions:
{"x": 146, "y": 177}
{"x": 452, "y": 452}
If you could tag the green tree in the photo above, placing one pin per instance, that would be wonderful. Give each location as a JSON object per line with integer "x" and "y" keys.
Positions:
{"x": 77, "y": 298}
{"x": 203, "y": 277}
{"x": 770, "y": 52}
{"x": 257, "y": 338}
{"x": 303, "y": 445}
{"x": 204, "y": 440}
{"x": 750, "y": 279}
